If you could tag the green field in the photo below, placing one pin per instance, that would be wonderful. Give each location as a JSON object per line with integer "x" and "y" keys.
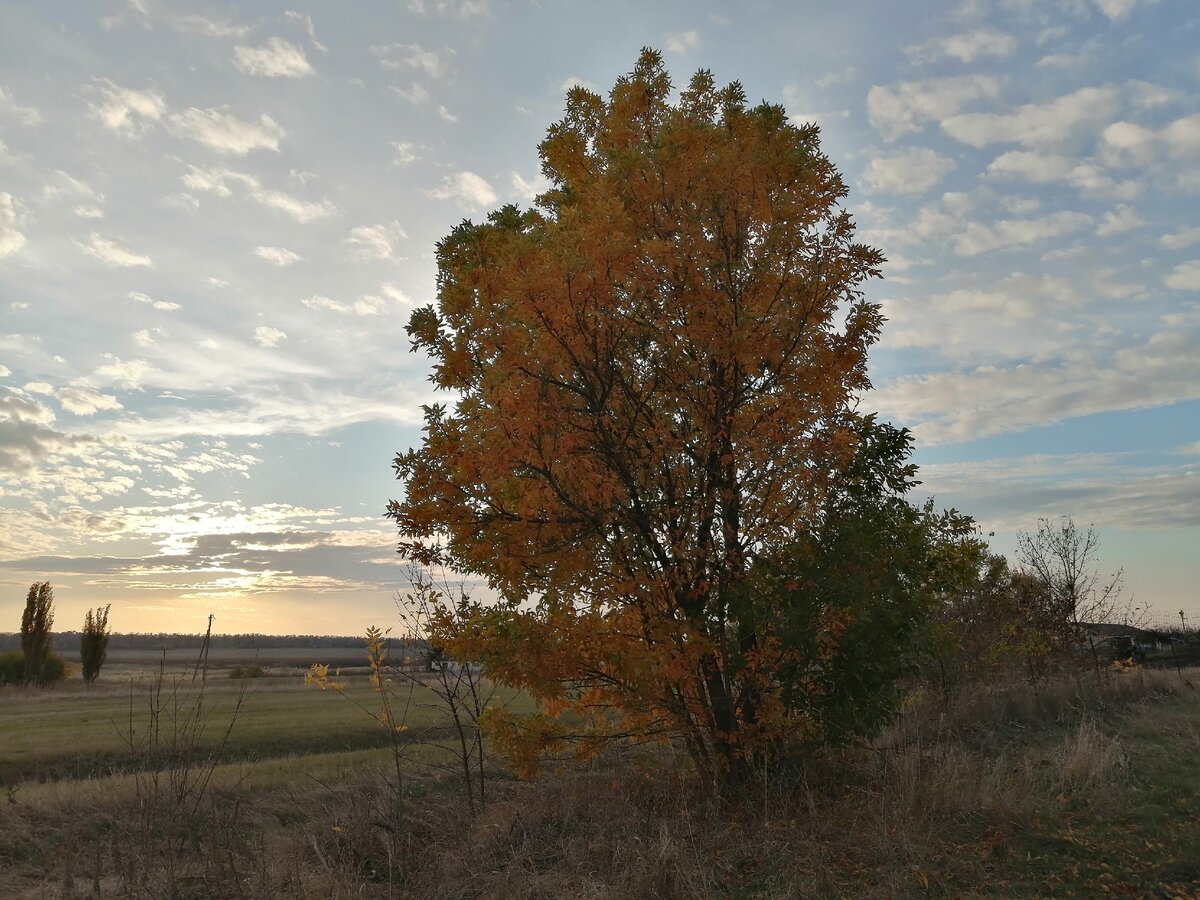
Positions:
{"x": 71, "y": 732}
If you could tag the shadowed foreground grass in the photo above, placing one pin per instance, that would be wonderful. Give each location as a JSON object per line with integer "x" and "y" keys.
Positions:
{"x": 1087, "y": 790}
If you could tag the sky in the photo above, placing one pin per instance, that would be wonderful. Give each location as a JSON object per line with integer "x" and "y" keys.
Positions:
{"x": 216, "y": 220}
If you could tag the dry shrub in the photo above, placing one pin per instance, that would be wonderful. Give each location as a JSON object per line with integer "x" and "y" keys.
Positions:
{"x": 995, "y": 712}
{"x": 1089, "y": 756}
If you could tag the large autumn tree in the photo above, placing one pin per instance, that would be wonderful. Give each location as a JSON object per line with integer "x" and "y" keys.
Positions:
{"x": 656, "y": 374}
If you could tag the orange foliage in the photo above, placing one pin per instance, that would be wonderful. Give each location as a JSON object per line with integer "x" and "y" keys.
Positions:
{"x": 654, "y": 371}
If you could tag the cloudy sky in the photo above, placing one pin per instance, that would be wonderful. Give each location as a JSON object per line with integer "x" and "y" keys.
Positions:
{"x": 214, "y": 222}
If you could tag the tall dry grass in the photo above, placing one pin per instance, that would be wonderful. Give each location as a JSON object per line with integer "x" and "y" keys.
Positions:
{"x": 929, "y": 809}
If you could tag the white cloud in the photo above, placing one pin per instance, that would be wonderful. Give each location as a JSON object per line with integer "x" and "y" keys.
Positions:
{"x": 127, "y": 111}
{"x": 528, "y": 190}
{"x": 1107, "y": 283}
{"x": 1185, "y": 276}
{"x": 11, "y": 240}
{"x": 681, "y": 41}
{"x": 113, "y": 254}
{"x": 976, "y": 238}
{"x": 88, "y": 211}
{"x": 446, "y": 116}
{"x": 1117, "y": 221}
{"x": 1147, "y": 95}
{"x": 1106, "y": 489}
{"x": 266, "y": 336}
{"x": 1062, "y": 60}
{"x": 276, "y": 58}
{"x": 1117, "y": 10}
{"x": 416, "y": 94}
{"x": 411, "y": 56}
{"x": 1183, "y": 135}
{"x": 81, "y": 399}
{"x": 467, "y": 188}
{"x": 1180, "y": 239}
{"x": 831, "y": 78}
{"x": 1126, "y": 143}
{"x": 957, "y": 406}
{"x": 406, "y": 152}
{"x": 467, "y": 10}
{"x": 1021, "y": 206}
{"x": 210, "y": 27}
{"x": 226, "y": 133}
{"x": 1045, "y": 168}
{"x": 163, "y": 305}
{"x": 1018, "y": 317}
{"x": 125, "y": 374}
{"x": 965, "y": 47}
{"x": 367, "y": 305}
{"x": 905, "y": 107}
{"x": 396, "y": 294}
{"x": 278, "y": 256}
{"x": 913, "y": 172}
{"x": 183, "y": 201}
{"x": 573, "y": 81}
{"x": 306, "y": 22}
{"x": 375, "y": 241}
{"x": 218, "y": 181}
{"x": 1028, "y": 165}
{"x": 1036, "y": 124}
{"x": 27, "y": 115}
{"x": 146, "y": 337}
{"x": 1129, "y": 144}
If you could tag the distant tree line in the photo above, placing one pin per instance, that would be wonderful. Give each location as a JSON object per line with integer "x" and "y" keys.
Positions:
{"x": 69, "y": 640}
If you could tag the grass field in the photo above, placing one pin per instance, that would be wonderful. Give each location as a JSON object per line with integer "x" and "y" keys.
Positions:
{"x": 1090, "y": 790}
{"x": 183, "y": 660}
{"x": 72, "y": 732}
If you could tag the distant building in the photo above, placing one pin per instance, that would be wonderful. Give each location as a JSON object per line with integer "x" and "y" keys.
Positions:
{"x": 454, "y": 667}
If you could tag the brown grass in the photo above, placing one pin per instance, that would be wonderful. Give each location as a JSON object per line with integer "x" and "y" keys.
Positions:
{"x": 951, "y": 802}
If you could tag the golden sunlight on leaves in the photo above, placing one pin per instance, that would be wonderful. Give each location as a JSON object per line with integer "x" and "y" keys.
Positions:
{"x": 659, "y": 368}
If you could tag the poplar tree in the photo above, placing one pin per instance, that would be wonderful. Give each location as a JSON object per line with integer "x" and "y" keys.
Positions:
{"x": 93, "y": 642}
{"x": 36, "y": 622}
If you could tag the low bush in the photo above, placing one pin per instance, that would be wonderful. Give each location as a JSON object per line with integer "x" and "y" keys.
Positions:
{"x": 247, "y": 672}
{"x": 12, "y": 668}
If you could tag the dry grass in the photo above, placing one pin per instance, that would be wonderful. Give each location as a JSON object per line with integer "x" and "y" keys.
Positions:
{"x": 997, "y": 796}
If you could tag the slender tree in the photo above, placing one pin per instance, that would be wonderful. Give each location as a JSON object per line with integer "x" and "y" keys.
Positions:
{"x": 36, "y": 622}
{"x": 93, "y": 642}
{"x": 1063, "y": 559}
{"x": 1060, "y": 561}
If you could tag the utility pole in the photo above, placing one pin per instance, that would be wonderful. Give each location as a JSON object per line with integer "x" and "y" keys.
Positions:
{"x": 203, "y": 657}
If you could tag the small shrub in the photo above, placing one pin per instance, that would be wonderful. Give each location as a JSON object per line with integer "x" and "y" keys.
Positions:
{"x": 247, "y": 672}
{"x": 12, "y": 668}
